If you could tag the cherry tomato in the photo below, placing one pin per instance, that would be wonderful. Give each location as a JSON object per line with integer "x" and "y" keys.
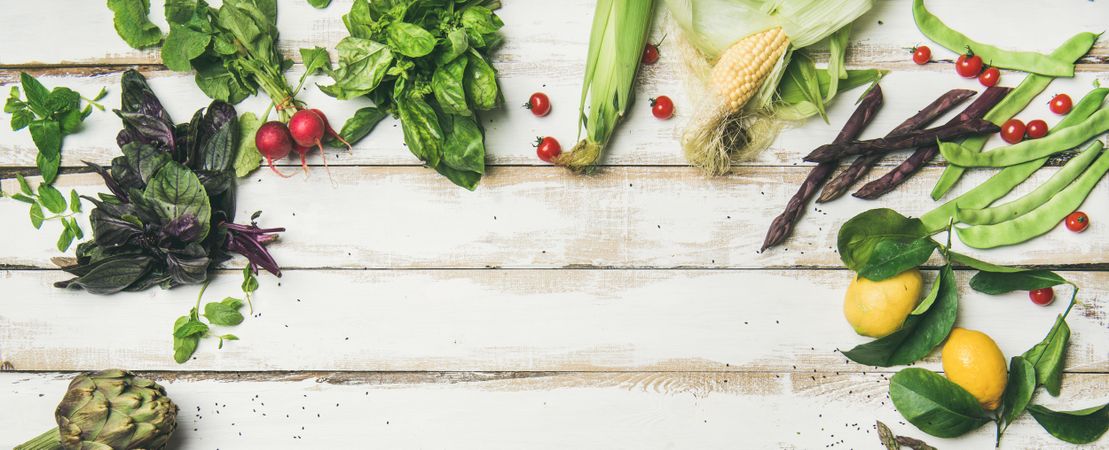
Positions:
{"x": 539, "y": 104}
{"x": 1012, "y": 131}
{"x": 547, "y": 148}
{"x": 1078, "y": 221}
{"x": 1042, "y": 297}
{"x": 990, "y": 77}
{"x": 968, "y": 66}
{"x": 650, "y": 54}
{"x": 922, "y": 54}
{"x": 1036, "y": 129}
{"x": 1060, "y": 104}
{"x": 662, "y": 107}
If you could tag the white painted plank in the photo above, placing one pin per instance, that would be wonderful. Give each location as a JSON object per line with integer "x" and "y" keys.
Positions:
{"x": 508, "y": 320}
{"x": 558, "y": 411}
{"x": 409, "y": 217}
{"x": 511, "y": 131}
{"x": 556, "y": 31}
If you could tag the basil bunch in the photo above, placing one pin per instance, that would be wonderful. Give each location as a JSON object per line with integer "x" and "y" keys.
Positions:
{"x": 168, "y": 218}
{"x": 426, "y": 62}
{"x": 881, "y": 243}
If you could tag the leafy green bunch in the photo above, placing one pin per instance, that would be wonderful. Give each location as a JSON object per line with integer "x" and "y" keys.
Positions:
{"x": 50, "y": 115}
{"x": 426, "y": 62}
{"x": 881, "y": 243}
{"x": 50, "y": 199}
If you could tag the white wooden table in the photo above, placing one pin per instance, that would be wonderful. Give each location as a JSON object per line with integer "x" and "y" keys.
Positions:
{"x": 628, "y": 309}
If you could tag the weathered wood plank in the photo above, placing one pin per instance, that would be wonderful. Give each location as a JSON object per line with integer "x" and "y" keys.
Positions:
{"x": 508, "y": 320}
{"x": 550, "y": 411}
{"x": 409, "y": 217}
{"x": 882, "y": 36}
{"x": 511, "y": 131}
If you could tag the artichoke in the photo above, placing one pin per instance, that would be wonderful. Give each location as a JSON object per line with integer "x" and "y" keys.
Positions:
{"x": 110, "y": 410}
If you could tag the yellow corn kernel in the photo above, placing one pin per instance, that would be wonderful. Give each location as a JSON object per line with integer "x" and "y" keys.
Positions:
{"x": 743, "y": 67}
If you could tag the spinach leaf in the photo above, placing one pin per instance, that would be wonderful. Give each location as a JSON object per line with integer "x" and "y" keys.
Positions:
{"x": 315, "y": 59}
{"x": 996, "y": 283}
{"x": 362, "y": 65}
{"x": 447, "y": 84}
{"x": 362, "y": 123}
{"x": 176, "y": 191}
{"x": 132, "y": 23}
{"x": 224, "y": 313}
{"x": 920, "y": 333}
{"x": 859, "y": 236}
{"x": 892, "y": 257}
{"x": 1077, "y": 427}
{"x": 935, "y": 405}
{"x": 1019, "y": 390}
{"x": 1047, "y": 356}
{"x": 409, "y": 39}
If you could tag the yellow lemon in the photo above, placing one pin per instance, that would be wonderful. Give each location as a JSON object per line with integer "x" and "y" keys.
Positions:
{"x": 878, "y": 308}
{"x": 972, "y": 360}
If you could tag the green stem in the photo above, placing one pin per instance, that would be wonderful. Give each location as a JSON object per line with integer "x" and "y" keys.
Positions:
{"x": 49, "y": 440}
{"x": 203, "y": 288}
{"x": 997, "y": 440}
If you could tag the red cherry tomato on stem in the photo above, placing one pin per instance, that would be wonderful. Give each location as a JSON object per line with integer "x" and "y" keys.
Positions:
{"x": 1042, "y": 297}
{"x": 1078, "y": 221}
{"x": 539, "y": 104}
{"x": 662, "y": 107}
{"x": 547, "y": 148}
{"x": 922, "y": 54}
{"x": 990, "y": 77}
{"x": 1012, "y": 131}
{"x": 1036, "y": 129}
{"x": 968, "y": 66}
{"x": 650, "y": 54}
{"x": 1060, "y": 104}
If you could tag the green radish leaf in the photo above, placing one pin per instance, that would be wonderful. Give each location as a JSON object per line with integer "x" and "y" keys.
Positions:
{"x": 1048, "y": 355}
{"x": 995, "y": 283}
{"x": 920, "y": 333}
{"x": 183, "y": 45}
{"x": 935, "y": 405}
{"x": 247, "y": 158}
{"x": 1077, "y": 427}
{"x": 892, "y": 257}
{"x": 859, "y": 236}
{"x": 133, "y": 24}
{"x": 74, "y": 201}
{"x": 36, "y": 215}
{"x": 24, "y": 187}
{"x": 1019, "y": 390}
{"x": 51, "y": 199}
{"x": 224, "y": 313}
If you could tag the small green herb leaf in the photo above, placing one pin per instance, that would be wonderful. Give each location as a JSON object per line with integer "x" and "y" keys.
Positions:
{"x": 23, "y": 198}
{"x": 36, "y": 215}
{"x": 189, "y": 328}
{"x": 24, "y": 187}
{"x": 65, "y": 239}
{"x": 51, "y": 199}
{"x": 935, "y": 405}
{"x": 250, "y": 282}
{"x": 224, "y": 313}
{"x": 74, "y": 201}
{"x": 183, "y": 347}
{"x": 995, "y": 283}
{"x": 1077, "y": 427}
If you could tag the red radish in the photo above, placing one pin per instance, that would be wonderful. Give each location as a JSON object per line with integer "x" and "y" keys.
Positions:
{"x": 307, "y": 129}
{"x": 273, "y": 142}
{"x": 331, "y": 131}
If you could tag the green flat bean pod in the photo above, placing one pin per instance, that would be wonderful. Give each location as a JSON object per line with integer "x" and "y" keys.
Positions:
{"x": 1001, "y": 183}
{"x": 1015, "y": 102}
{"x": 1030, "y": 149}
{"x": 1031, "y": 62}
{"x": 1040, "y": 220}
{"x": 1016, "y": 208}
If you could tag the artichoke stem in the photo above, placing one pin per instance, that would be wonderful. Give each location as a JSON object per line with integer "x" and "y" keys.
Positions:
{"x": 49, "y": 440}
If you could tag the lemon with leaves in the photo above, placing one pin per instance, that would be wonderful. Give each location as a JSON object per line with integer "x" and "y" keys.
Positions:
{"x": 878, "y": 308}
{"x": 974, "y": 362}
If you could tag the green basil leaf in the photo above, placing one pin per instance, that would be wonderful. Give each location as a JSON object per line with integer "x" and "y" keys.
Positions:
{"x": 133, "y": 24}
{"x": 481, "y": 83}
{"x": 1019, "y": 390}
{"x": 409, "y": 39}
{"x": 362, "y": 123}
{"x": 183, "y": 45}
{"x": 447, "y": 85}
{"x": 995, "y": 283}
{"x": 319, "y": 4}
{"x": 65, "y": 239}
{"x": 461, "y": 178}
{"x": 36, "y": 93}
{"x": 24, "y": 186}
{"x": 51, "y": 199}
{"x": 176, "y": 191}
{"x": 935, "y": 405}
{"x": 1047, "y": 356}
{"x": 859, "y": 236}
{"x": 250, "y": 282}
{"x": 892, "y": 257}
{"x": 362, "y": 65}
{"x": 981, "y": 265}
{"x": 36, "y": 215}
{"x": 481, "y": 20}
{"x": 465, "y": 146}
{"x": 247, "y": 157}
{"x": 224, "y": 313}
{"x": 74, "y": 201}
{"x": 920, "y": 333}
{"x": 1077, "y": 427}
{"x": 191, "y": 327}
{"x": 183, "y": 348}
{"x": 454, "y": 46}
{"x": 422, "y": 132}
